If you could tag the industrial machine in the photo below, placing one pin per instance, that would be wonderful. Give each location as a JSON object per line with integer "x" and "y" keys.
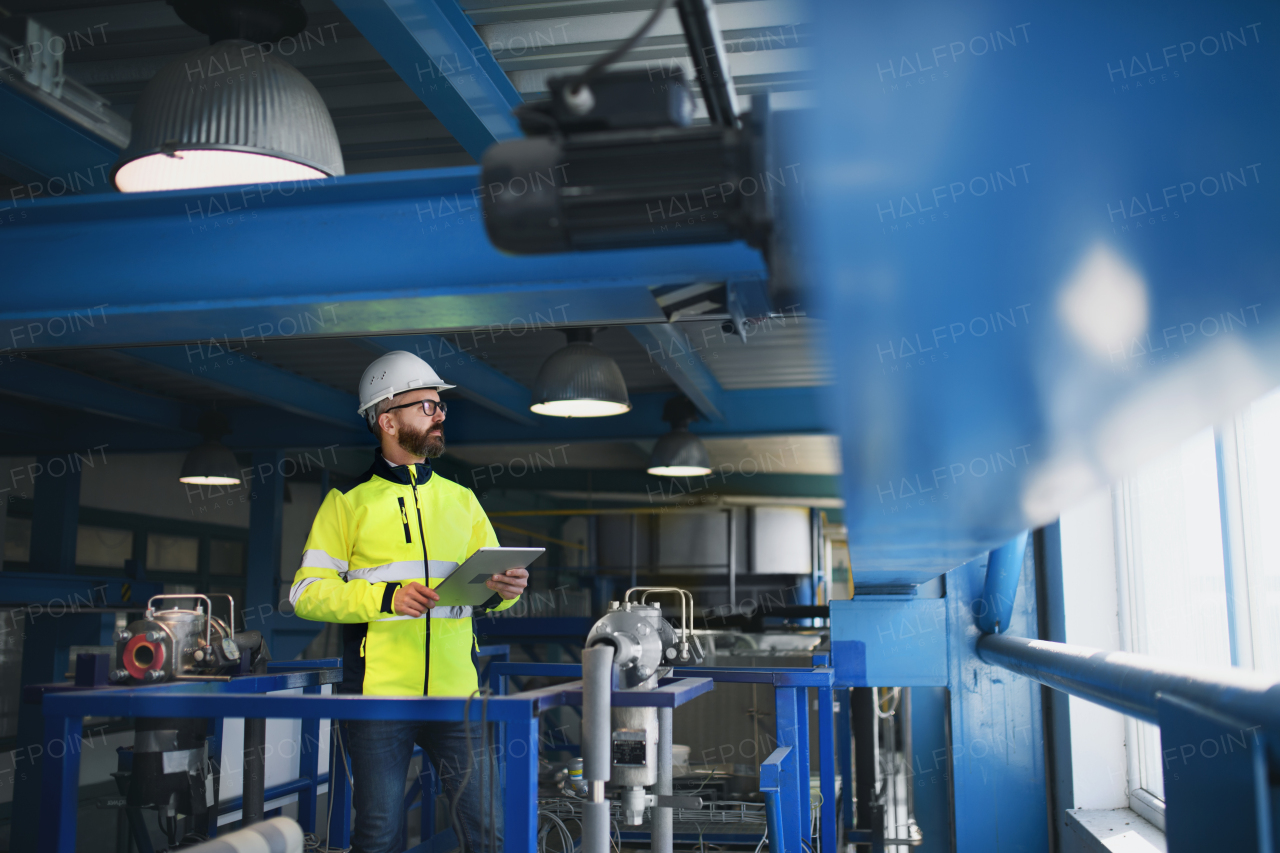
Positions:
{"x": 169, "y": 766}
{"x": 630, "y": 648}
{"x": 612, "y": 159}
{"x": 177, "y": 644}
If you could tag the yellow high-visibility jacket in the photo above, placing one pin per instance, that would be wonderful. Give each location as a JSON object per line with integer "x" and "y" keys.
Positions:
{"x": 398, "y": 523}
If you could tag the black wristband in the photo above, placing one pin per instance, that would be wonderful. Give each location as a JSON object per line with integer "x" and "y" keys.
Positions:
{"x": 389, "y": 596}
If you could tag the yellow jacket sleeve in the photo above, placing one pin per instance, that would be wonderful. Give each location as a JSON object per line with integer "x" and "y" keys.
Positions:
{"x": 482, "y": 536}
{"x": 321, "y": 591}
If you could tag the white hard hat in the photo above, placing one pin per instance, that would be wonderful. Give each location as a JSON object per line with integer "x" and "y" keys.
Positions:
{"x": 395, "y": 373}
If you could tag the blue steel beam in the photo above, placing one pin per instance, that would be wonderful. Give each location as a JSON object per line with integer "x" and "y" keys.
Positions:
{"x": 476, "y": 381}
{"x": 671, "y": 350}
{"x": 46, "y": 383}
{"x": 257, "y": 381}
{"x": 393, "y": 252}
{"x": 43, "y": 143}
{"x": 434, "y": 48}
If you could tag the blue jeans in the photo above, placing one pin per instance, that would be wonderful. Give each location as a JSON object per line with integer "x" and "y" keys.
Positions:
{"x": 380, "y": 752}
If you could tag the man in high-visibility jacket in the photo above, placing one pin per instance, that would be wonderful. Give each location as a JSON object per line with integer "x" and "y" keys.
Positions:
{"x": 374, "y": 552}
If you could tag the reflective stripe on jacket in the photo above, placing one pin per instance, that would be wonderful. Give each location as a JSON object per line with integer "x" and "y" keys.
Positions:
{"x": 397, "y": 524}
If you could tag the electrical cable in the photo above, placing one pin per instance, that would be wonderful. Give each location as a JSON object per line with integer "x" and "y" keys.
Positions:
{"x": 620, "y": 51}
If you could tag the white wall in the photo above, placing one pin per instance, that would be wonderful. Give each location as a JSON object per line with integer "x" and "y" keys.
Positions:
{"x": 1098, "y": 763}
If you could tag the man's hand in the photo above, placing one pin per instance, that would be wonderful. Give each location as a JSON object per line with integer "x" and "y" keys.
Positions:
{"x": 414, "y": 599}
{"x": 509, "y": 584}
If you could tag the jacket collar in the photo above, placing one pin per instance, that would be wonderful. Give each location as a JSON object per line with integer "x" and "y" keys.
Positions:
{"x": 399, "y": 473}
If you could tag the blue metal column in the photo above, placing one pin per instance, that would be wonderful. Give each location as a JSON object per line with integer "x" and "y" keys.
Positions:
{"x": 309, "y": 767}
{"x": 827, "y": 766}
{"x": 844, "y": 743}
{"x": 55, "y": 516}
{"x": 266, "y": 521}
{"x": 792, "y": 721}
{"x": 997, "y": 740}
{"x": 929, "y": 775}
{"x": 520, "y": 788}
{"x": 60, "y": 789}
{"x": 775, "y": 773}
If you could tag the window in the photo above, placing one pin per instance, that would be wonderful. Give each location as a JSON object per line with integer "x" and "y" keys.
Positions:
{"x": 1197, "y": 543}
{"x": 103, "y": 547}
{"x": 172, "y": 553}
{"x": 17, "y": 540}
{"x": 226, "y": 557}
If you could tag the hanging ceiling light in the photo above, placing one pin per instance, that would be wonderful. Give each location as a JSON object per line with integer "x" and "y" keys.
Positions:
{"x": 679, "y": 453}
{"x": 211, "y": 463}
{"x": 579, "y": 381}
{"x": 233, "y": 112}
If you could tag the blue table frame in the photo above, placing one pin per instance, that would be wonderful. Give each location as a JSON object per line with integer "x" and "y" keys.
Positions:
{"x": 791, "y": 698}
{"x": 65, "y": 707}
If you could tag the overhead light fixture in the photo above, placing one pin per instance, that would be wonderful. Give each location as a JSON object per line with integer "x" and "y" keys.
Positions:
{"x": 580, "y": 381}
{"x": 231, "y": 113}
{"x": 680, "y": 453}
{"x": 211, "y": 463}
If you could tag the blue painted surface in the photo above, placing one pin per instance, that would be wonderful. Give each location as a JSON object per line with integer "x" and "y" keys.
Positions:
{"x": 776, "y": 774}
{"x": 1004, "y": 568}
{"x": 355, "y": 255}
{"x": 889, "y": 643}
{"x": 244, "y": 376}
{"x": 993, "y": 194}
{"x": 929, "y": 774}
{"x": 46, "y": 383}
{"x": 434, "y": 48}
{"x": 49, "y": 146}
{"x": 676, "y": 355}
{"x": 1217, "y": 794}
{"x": 997, "y": 738}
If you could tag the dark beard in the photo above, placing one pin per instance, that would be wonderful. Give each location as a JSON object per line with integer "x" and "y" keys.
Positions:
{"x": 421, "y": 443}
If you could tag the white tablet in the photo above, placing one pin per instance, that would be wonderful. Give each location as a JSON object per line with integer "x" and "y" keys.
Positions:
{"x": 466, "y": 584}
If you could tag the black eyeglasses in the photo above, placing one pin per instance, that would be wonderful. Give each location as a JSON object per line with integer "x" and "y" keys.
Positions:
{"x": 429, "y": 407}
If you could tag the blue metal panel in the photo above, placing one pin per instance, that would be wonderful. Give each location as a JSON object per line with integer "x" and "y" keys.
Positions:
{"x": 42, "y": 142}
{"x": 309, "y": 767}
{"x": 1004, "y": 568}
{"x": 263, "y": 383}
{"x": 45, "y": 383}
{"x": 363, "y": 254}
{"x": 476, "y": 380}
{"x": 827, "y": 767}
{"x": 1217, "y": 795}
{"x": 671, "y": 350}
{"x": 339, "y": 836}
{"x": 844, "y": 743}
{"x": 1006, "y": 238}
{"x": 59, "y": 594}
{"x": 997, "y": 741}
{"x": 889, "y": 643}
{"x": 434, "y": 48}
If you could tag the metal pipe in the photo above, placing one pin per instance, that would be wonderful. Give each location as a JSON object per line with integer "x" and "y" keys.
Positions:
{"x": 597, "y": 731}
{"x": 255, "y": 777}
{"x": 1004, "y": 568}
{"x": 662, "y": 837}
{"x": 1128, "y": 683}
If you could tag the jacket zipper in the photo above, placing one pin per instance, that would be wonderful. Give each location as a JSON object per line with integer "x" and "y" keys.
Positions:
{"x": 426, "y": 570}
{"x": 404, "y": 519}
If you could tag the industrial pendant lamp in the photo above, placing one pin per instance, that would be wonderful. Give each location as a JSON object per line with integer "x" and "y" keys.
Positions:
{"x": 233, "y": 112}
{"x": 679, "y": 453}
{"x": 580, "y": 381}
{"x": 211, "y": 463}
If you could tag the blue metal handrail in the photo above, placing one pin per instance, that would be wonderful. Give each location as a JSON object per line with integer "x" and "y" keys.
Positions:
{"x": 1132, "y": 683}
